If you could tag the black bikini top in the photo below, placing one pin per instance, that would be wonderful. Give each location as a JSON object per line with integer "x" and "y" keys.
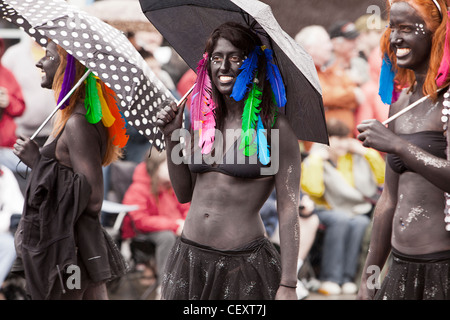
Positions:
{"x": 49, "y": 150}
{"x": 433, "y": 142}
{"x": 236, "y": 165}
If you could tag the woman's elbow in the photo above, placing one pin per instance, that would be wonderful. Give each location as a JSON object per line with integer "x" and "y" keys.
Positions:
{"x": 184, "y": 198}
{"x": 94, "y": 206}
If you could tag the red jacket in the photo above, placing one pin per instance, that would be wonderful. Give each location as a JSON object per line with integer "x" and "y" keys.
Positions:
{"x": 15, "y": 108}
{"x": 150, "y": 217}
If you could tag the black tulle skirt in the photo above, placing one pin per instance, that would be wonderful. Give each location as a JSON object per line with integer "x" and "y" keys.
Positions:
{"x": 424, "y": 277}
{"x": 197, "y": 272}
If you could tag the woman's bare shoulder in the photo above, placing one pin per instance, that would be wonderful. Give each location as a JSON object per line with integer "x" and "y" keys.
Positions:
{"x": 77, "y": 127}
{"x": 401, "y": 103}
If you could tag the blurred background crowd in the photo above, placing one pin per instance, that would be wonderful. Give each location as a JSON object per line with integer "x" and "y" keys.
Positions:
{"x": 339, "y": 186}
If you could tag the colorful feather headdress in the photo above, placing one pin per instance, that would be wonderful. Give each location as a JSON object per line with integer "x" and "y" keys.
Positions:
{"x": 253, "y": 138}
{"x": 100, "y": 103}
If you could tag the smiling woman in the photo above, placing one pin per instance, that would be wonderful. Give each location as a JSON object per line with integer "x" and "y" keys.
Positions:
{"x": 409, "y": 218}
{"x": 49, "y": 64}
{"x": 60, "y": 224}
{"x": 223, "y": 252}
{"x": 419, "y": 24}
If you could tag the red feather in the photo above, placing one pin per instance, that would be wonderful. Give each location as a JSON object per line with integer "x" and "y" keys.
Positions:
{"x": 118, "y": 130}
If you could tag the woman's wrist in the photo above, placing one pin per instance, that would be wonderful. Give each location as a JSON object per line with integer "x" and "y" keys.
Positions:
{"x": 288, "y": 286}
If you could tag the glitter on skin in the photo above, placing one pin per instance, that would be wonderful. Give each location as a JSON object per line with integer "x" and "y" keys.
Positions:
{"x": 290, "y": 191}
{"x": 413, "y": 216}
{"x": 427, "y": 159}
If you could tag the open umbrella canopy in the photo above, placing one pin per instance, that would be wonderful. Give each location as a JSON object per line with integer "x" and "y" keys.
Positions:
{"x": 187, "y": 24}
{"x": 103, "y": 49}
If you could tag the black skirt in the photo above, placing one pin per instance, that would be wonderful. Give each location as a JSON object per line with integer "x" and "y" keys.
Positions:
{"x": 197, "y": 272}
{"x": 423, "y": 277}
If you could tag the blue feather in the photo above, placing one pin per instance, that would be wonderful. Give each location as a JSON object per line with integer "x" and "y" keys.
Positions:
{"x": 387, "y": 76}
{"x": 275, "y": 79}
{"x": 245, "y": 77}
{"x": 263, "y": 147}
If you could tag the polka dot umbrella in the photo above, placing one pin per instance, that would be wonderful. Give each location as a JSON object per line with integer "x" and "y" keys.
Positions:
{"x": 187, "y": 24}
{"x": 104, "y": 50}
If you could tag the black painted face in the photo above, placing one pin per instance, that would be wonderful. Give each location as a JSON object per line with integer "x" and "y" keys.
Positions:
{"x": 226, "y": 60}
{"x": 410, "y": 38}
{"x": 49, "y": 64}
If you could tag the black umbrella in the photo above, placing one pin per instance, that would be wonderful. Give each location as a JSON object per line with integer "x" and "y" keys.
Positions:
{"x": 104, "y": 50}
{"x": 186, "y": 24}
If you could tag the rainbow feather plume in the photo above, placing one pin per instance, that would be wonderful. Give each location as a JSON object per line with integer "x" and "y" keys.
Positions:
{"x": 249, "y": 119}
{"x": 245, "y": 77}
{"x": 101, "y": 104}
{"x": 202, "y": 107}
{"x": 276, "y": 81}
{"x": 263, "y": 146}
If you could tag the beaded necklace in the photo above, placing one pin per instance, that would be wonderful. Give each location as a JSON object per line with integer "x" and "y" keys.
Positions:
{"x": 445, "y": 117}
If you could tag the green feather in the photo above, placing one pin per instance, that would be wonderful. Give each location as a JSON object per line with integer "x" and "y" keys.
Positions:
{"x": 249, "y": 119}
{"x": 92, "y": 101}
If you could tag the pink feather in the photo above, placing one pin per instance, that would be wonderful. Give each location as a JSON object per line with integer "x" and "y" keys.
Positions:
{"x": 202, "y": 107}
{"x": 200, "y": 93}
{"x": 445, "y": 63}
{"x": 207, "y": 133}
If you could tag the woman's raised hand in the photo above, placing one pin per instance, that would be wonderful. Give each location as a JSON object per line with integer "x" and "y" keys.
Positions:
{"x": 27, "y": 150}
{"x": 170, "y": 118}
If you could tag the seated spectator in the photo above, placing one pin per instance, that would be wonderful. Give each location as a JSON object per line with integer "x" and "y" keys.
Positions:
{"x": 343, "y": 180}
{"x": 160, "y": 216}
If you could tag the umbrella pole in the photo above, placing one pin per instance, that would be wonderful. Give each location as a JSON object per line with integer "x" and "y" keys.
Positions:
{"x": 60, "y": 104}
{"x": 403, "y": 111}
{"x": 185, "y": 96}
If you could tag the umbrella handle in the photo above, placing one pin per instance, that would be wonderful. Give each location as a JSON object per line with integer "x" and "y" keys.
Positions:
{"x": 60, "y": 104}
{"x": 185, "y": 96}
{"x": 413, "y": 105}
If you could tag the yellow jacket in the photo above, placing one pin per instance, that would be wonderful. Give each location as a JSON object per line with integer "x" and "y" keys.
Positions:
{"x": 349, "y": 178}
